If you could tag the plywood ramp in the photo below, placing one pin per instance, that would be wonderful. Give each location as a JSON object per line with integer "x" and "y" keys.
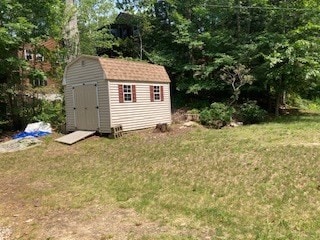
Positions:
{"x": 74, "y": 137}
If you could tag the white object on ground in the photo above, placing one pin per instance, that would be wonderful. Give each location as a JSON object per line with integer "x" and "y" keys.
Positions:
{"x": 38, "y": 126}
{"x": 190, "y": 124}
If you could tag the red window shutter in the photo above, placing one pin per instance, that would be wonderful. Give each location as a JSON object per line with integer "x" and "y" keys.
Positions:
{"x": 120, "y": 90}
{"x": 134, "y": 94}
{"x": 161, "y": 93}
{"x": 151, "y": 94}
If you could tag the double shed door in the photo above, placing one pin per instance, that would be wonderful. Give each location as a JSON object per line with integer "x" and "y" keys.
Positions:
{"x": 86, "y": 107}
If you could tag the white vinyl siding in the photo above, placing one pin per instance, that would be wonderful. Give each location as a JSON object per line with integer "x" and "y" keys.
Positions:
{"x": 84, "y": 72}
{"x": 135, "y": 109}
{"x": 143, "y": 113}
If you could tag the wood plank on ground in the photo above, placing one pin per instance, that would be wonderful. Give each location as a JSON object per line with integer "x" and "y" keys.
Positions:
{"x": 74, "y": 137}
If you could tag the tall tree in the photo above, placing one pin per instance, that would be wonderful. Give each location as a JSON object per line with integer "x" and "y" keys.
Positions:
{"x": 195, "y": 40}
{"x": 292, "y": 58}
{"x": 23, "y": 22}
{"x": 94, "y": 17}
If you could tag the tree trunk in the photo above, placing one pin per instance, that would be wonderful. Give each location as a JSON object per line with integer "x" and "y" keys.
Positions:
{"x": 140, "y": 44}
{"x": 284, "y": 98}
{"x": 280, "y": 97}
{"x": 269, "y": 96}
{"x": 14, "y": 116}
{"x": 278, "y": 103}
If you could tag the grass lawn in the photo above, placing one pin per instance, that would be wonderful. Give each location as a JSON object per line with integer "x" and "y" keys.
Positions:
{"x": 251, "y": 182}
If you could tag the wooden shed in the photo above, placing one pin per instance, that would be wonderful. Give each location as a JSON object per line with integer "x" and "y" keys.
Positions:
{"x": 101, "y": 93}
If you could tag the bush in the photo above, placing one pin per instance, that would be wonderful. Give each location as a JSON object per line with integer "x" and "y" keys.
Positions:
{"x": 193, "y": 111}
{"x": 306, "y": 104}
{"x": 51, "y": 112}
{"x": 217, "y": 116}
{"x": 250, "y": 113}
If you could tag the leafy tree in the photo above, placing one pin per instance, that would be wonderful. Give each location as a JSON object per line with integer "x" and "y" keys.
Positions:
{"x": 94, "y": 17}
{"x": 21, "y": 23}
{"x": 292, "y": 58}
{"x": 196, "y": 40}
{"x": 236, "y": 77}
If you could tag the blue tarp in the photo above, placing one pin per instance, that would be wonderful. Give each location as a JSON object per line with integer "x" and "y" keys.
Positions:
{"x": 37, "y": 129}
{"x": 30, "y": 134}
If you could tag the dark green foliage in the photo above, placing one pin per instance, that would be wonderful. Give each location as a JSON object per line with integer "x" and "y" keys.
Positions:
{"x": 51, "y": 112}
{"x": 24, "y": 23}
{"x": 217, "y": 116}
{"x": 220, "y": 114}
{"x": 93, "y": 18}
{"x": 196, "y": 40}
{"x": 193, "y": 111}
{"x": 250, "y": 113}
{"x": 21, "y": 110}
{"x": 37, "y": 76}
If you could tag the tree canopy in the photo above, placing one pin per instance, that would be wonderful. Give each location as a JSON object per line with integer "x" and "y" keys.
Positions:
{"x": 196, "y": 40}
{"x": 93, "y": 18}
{"x": 213, "y": 50}
{"x": 23, "y": 22}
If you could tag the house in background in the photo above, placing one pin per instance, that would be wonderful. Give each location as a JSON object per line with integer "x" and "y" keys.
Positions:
{"x": 101, "y": 93}
{"x": 37, "y": 58}
{"x": 125, "y": 30}
{"x": 35, "y": 72}
{"x": 124, "y": 26}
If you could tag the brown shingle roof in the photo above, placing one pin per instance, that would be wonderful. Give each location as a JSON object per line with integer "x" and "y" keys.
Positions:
{"x": 119, "y": 69}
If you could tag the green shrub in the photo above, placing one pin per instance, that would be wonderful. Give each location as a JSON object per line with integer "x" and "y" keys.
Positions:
{"x": 306, "y": 104}
{"x": 193, "y": 111}
{"x": 51, "y": 112}
{"x": 217, "y": 116}
{"x": 250, "y": 113}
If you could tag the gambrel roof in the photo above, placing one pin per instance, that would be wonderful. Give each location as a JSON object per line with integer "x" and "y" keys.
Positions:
{"x": 128, "y": 70}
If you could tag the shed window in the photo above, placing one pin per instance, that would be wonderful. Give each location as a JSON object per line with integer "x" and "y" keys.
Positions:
{"x": 156, "y": 93}
{"x": 127, "y": 93}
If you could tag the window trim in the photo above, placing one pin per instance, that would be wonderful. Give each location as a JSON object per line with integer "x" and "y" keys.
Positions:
{"x": 156, "y": 90}
{"x": 157, "y": 93}
{"x": 28, "y": 55}
{"x": 39, "y": 82}
{"x": 122, "y": 94}
{"x": 39, "y": 57}
{"x": 127, "y": 93}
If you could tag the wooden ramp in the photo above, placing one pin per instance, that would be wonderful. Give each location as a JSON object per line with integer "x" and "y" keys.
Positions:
{"x": 74, "y": 137}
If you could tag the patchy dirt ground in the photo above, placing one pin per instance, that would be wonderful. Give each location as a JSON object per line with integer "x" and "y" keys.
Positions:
{"x": 100, "y": 223}
{"x": 23, "y": 219}
{"x": 94, "y": 222}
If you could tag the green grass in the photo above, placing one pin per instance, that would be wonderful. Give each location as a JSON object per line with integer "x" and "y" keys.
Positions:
{"x": 251, "y": 182}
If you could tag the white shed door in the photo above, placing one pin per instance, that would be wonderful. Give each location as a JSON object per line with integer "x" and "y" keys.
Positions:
{"x": 86, "y": 109}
